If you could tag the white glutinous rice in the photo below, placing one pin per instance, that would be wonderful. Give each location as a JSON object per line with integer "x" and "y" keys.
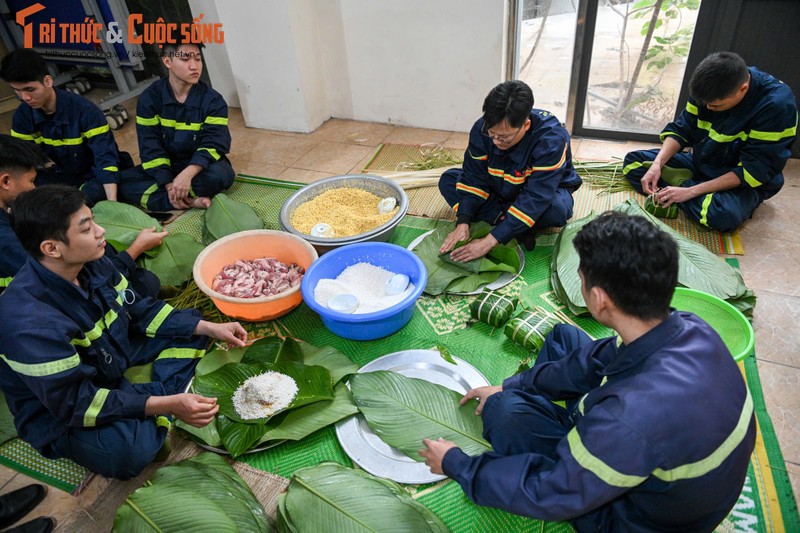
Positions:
{"x": 263, "y": 395}
{"x": 366, "y": 282}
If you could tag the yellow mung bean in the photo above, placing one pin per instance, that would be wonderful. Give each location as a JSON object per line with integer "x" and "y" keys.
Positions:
{"x": 348, "y": 210}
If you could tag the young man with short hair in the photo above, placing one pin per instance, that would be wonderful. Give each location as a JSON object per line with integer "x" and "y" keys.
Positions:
{"x": 19, "y": 161}
{"x": 70, "y": 130}
{"x": 72, "y": 326}
{"x": 182, "y": 125}
{"x": 740, "y": 124}
{"x": 517, "y": 174}
{"x": 657, "y": 430}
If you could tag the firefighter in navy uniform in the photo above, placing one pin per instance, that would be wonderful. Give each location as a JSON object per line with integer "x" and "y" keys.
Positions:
{"x": 517, "y": 174}
{"x": 182, "y": 125}
{"x": 740, "y": 124}
{"x": 70, "y": 130}
{"x": 658, "y": 425}
{"x": 72, "y": 326}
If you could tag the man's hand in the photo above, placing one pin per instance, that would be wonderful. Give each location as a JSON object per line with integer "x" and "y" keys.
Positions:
{"x": 179, "y": 192}
{"x": 674, "y": 195}
{"x": 195, "y": 410}
{"x": 461, "y": 233}
{"x": 474, "y": 249}
{"x": 650, "y": 178}
{"x": 147, "y": 239}
{"x": 434, "y": 451}
{"x": 481, "y": 393}
{"x": 231, "y": 332}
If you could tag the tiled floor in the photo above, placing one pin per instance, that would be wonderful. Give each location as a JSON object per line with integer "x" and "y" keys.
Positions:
{"x": 772, "y": 252}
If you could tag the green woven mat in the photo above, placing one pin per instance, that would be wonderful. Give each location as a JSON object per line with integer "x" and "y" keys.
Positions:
{"x": 60, "y": 473}
{"x": 426, "y": 201}
{"x": 766, "y": 504}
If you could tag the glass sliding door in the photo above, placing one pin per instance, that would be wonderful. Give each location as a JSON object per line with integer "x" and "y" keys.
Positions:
{"x": 545, "y": 54}
{"x": 636, "y": 54}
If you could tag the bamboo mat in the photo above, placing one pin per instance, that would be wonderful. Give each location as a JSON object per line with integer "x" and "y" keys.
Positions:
{"x": 426, "y": 201}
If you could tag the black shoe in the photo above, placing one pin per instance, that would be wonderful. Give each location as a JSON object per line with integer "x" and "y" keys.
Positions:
{"x": 528, "y": 240}
{"x": 20, "y": 502}
{"x": 43, "y": 524}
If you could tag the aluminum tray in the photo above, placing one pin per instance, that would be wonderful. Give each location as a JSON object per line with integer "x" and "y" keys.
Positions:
{"x": 375, "y": 456}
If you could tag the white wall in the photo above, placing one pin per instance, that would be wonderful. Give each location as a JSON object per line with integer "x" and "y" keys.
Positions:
{"x": 296, "y": 63}
{"x": 216, "y": 55}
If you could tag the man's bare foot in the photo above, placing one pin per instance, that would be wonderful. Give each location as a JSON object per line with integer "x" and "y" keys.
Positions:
{"x": 200, "y": 203}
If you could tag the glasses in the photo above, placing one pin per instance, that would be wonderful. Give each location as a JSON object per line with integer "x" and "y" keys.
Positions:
{"x": 502, "y": 139}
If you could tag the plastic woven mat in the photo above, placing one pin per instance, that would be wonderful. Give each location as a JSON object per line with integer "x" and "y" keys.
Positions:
{"x": 426, "y": 201}
{"x": 60, "y": 473}
{"x": 766, "y": 503}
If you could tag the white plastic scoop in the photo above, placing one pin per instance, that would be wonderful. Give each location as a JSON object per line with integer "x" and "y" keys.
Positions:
{"x": 343, "y": 303}
{"x": 322, "y": 230}
{"x": 397, "y": 284}
{"x": 386, "y": 205}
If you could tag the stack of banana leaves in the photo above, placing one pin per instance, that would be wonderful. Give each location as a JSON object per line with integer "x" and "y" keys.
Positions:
{"x": 203, "y": 493}
{"x": 698, "y": 268}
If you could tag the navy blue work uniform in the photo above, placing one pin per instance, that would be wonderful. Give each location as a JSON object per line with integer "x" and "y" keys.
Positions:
{"x": 173, "y": 135}
{"x": 64, "y": 351}
{"x": 530, "y": 184}
{"x": 13, "y": 256}
{"x": 77, "y": 139}
{"x": 656, "y": 435}
{"x": 753, "y": 140}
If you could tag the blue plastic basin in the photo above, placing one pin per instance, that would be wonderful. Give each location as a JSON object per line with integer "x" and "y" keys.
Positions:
{"x": 366, "y": 326}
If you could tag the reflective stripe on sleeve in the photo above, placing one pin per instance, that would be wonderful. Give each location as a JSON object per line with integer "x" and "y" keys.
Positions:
{"x": 43, "y": 369}
{"x": 473, "y": 190}
{"x": 154, "y": 324}
{"x": 90, "y": 416}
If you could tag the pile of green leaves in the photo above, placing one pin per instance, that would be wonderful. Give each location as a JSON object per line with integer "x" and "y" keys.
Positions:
{"x": 203, "y": 493}
{"x": 332, "y": 498}
{"x": 402, "y": 411}
{"x": 446, "y": 275}
{"x": 225, "y": 217}
{"x": 322, "y": 399}
{"x": 698, "y": 268}
{"x": 172, "y": 261}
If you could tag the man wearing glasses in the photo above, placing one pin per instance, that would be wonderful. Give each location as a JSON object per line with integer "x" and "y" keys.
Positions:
{"x": 517, "y": 174}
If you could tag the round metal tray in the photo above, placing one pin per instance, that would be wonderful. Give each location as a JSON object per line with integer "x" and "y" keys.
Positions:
{"x": 367, "y": 450}
{"x": 504, "y": 279}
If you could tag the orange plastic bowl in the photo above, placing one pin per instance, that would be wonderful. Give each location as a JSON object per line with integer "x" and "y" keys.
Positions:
{"x": 249, "y": 245}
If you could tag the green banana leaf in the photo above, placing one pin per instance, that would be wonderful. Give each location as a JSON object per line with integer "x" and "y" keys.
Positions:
{"x": 7, "y": 428}
{"x": 332, "y": 498}
{"x": 122, "y": 223}
{"x": 273, "y": 350}
{"x": 175, "y": 260}
{"x": 293, "y": 424}
{"x": 564, "y": 267}
{"x": 451, "y": 276}
{"x": 313, "y": 385}
{"x": 402, "y": 411}
{"x": 236, "y": 437}
{"x": 203, "y": 493}
{"x": 698, "y": 268}
{"x": 225, "y": 216}
{"x": 303, "y": 421}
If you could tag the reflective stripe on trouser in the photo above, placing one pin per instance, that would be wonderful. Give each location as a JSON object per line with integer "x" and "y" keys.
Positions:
{"x": 490, "y": 210}
{"x": 722, "y": 211}
{"x": 139, "y": 189}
